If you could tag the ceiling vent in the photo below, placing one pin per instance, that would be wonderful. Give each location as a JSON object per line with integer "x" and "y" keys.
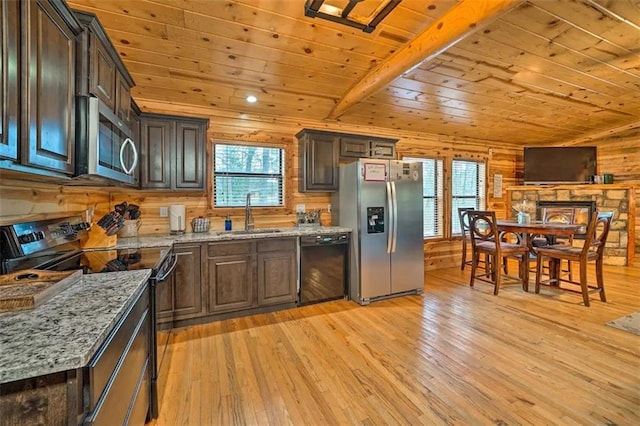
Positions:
{"x": 350, "y": 14}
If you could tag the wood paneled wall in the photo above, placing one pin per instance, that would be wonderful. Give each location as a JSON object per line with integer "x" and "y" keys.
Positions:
{"x": 20, "y": 199}
{"x": 619, "y": 154}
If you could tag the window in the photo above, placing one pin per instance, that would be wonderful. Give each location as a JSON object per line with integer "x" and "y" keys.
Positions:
{"x": 467, "y": 179}
{"x": 467, "y": 189}
{"x": 240, "y": 169}
{"x": 432, "y": 196}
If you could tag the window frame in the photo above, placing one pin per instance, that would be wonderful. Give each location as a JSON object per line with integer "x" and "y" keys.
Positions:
{"x": 287, "y": 185}
{"x": 481, "y": 202}
{"x": 446, "y": 217}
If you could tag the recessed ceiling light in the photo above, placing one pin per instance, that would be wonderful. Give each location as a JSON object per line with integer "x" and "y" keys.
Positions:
{"x": 251, "y": 99}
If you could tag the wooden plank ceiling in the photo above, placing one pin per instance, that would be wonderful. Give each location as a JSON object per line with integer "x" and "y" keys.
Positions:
{"x": 544, "y": 72}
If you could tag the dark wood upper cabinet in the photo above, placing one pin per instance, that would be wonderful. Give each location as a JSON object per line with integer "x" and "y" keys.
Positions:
{"x": 318, "y": 161}
{"x": 9, "y": 78}
{"x": 102, "y": 76}
{"x": 156, "y": 137}
{"x": 173, "y": 152}
{"x": 320, "y": 153}
{"x": 101, "y": 71}
{"x": 48, "y": 88}
{"x": 367, "y": 147}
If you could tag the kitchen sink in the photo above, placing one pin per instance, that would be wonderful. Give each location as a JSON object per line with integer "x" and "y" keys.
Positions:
{"x": 249, "y": 232}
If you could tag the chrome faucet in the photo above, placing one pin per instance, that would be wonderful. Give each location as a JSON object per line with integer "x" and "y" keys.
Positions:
{"x": 248, "y": 219}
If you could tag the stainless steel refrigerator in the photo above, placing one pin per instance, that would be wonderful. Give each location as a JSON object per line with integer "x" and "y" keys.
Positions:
{"x": 382, "y": 201}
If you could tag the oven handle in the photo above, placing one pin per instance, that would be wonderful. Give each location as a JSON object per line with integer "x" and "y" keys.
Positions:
{"x": 175, "y": 263}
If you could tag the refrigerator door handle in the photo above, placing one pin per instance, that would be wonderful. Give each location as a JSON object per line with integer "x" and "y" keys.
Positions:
{"x": 390, "y": 231}
{"x": 394, "y": 197}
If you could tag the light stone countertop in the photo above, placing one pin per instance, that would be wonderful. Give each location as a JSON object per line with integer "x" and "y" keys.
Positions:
{"x": 66, "y": 331}
{"x": 219, "y": 235}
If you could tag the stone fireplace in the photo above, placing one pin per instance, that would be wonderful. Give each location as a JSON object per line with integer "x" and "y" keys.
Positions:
{"x": 581, "y": 211}
{"x": 618, "y": 198}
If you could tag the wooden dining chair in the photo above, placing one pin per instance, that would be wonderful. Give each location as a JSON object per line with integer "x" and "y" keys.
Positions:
{"x": 486, "y": 240}
{"x": 556, "y": 215}
{"x": 591, "y": 251}
{"x": 466, "y": 236}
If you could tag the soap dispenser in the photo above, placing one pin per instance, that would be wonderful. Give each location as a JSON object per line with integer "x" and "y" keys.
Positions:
{"x": 227, "y": 223}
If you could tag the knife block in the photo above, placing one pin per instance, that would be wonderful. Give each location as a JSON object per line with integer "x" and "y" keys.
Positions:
{"x": 96, "y": 238}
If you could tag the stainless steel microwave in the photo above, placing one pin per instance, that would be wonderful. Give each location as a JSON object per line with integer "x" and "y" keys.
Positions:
{"x": 105, "y": 146}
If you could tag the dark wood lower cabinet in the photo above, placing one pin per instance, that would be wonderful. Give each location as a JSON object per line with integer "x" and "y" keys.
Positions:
{"x": 231, "y": 276}
{"x": 215, "y": 279}
{"x": 249, "y": 275}
{"x": 231, "y": 283}
{"x": 277, "y": 275}
{"x": 182, "y": 297}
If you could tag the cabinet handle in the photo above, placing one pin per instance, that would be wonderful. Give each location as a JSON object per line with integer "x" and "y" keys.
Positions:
{"x": 126, "y": 142}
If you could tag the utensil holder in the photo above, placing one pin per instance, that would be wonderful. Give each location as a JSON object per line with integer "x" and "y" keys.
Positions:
{"x": 130, "y": 228}
{"x": 96, "y": 238}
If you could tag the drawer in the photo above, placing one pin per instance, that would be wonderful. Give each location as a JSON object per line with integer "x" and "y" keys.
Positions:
{"x": 103, "y": 364}
{"x": 140, "y": 405}
{"x": 114, "y": 403}
{"x": 277, "y": 245}
{"x": 227, "y": 249}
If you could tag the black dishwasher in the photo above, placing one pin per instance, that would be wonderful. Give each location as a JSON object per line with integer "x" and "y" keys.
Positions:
{"x": 323, "y": 267}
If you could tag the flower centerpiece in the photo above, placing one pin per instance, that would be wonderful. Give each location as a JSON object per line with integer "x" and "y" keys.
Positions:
{"x": 523, "y": 214}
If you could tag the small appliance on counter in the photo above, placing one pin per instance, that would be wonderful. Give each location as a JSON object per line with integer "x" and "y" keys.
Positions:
{"x": 177, "y": 219}
{"x": 309, "y": 219}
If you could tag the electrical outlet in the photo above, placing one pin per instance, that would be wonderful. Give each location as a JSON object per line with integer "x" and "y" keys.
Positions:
{"x": 300, "y": 208}
{"x": 164, "y": 211}
{"x": 329, "y": 208}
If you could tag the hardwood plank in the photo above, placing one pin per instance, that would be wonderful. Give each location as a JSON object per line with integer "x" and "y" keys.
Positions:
{"x": 454, "y": 354}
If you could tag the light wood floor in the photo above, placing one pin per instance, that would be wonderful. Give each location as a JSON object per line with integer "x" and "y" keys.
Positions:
{"x": 453, "y": 355}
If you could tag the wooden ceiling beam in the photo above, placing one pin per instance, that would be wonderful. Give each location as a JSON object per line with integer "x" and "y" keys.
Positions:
{"x": 462, "y": 20}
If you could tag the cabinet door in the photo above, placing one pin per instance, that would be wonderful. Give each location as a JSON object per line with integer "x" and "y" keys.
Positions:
{"x": 155, "y": 168}
{"x": 276, "y": 278}
{"x": 319, "y": 163}
{"x": 48, "y": 89}
{"x": 190, "y": 156}
{"x": 123, "y": 99}
{"x": 9, "y": 79}
{"x": 102, "y": 76}
{"x": 188, "y": 291}
{"x": 231, "y": 283}
{"x": 354, "y": 147}
{"x": 381, "y": 149}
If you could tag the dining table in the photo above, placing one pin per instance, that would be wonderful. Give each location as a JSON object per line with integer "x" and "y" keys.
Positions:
{"x": 529, "y": 230}
{"x": 538, "y": 227}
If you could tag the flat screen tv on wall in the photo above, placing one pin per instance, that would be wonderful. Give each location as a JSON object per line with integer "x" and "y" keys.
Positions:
{"x": 556, "y": 165}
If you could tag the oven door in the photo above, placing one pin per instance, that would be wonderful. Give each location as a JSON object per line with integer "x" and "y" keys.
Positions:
{"x": 161, "y": 286}
{"x": 105, "y": 144}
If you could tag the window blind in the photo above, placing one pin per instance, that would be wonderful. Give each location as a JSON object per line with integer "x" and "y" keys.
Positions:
{"x": 468, "y": 188}
{"x": 432, "y": 195}
{"x": 242, "y": 169}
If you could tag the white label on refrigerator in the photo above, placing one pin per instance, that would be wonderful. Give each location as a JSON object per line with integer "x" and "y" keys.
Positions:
{"x": 375, "y": 172}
